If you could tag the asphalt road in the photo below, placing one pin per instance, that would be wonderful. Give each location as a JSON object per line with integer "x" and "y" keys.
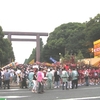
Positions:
{"x": 82, "y": 93}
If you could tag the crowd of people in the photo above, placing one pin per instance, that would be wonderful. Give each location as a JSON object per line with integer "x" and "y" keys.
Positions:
{"x": 37, "y": 79}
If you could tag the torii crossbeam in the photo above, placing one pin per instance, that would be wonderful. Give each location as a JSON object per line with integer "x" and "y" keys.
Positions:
{"x": 37, "y": 34}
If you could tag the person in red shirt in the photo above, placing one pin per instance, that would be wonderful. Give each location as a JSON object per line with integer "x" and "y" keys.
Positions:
{"x": 86, "y": 76}
{"x": 90, "y": 76}
{"x": 96, "y": 76}
{"x": 80, "y": 77}
{"x": 66, "y": 67}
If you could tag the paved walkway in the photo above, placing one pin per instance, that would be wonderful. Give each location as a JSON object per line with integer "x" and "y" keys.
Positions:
{"x": 82, "y": 93}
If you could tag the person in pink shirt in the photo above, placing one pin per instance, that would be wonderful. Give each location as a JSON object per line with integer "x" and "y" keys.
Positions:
{"x": 40, "y": 80}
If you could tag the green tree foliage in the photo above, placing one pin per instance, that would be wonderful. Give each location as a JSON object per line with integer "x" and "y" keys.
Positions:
{"x": 80, "y": 55}
{"x": 1, "y": 33}
{"x": 76, "y": 38}
{"x": 32, "y": 56}
{"x": 93, "y": 30}
{"x": 6, "y": 50}
{"x": 73, "y": 37}
{"x": 46, "y": 53}
{"x": 67, "y": 56}
{"x": 69, "y": 36}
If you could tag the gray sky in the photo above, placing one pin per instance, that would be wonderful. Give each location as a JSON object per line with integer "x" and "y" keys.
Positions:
{"x": 42, "y": 16}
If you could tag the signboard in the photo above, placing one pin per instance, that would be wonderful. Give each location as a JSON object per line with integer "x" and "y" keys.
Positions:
{"x": 96, "y": 48}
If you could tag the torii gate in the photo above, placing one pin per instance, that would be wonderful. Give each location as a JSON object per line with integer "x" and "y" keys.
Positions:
{"x": 37, "y": 34}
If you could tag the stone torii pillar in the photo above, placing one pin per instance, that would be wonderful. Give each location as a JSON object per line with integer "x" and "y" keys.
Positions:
{"x": 37, "y": 34}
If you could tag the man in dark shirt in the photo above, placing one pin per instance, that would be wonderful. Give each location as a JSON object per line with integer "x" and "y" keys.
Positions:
{"x": 57, "y": 78}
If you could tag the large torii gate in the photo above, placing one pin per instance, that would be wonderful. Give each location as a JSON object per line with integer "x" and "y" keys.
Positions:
{"x": 37, "y": 34}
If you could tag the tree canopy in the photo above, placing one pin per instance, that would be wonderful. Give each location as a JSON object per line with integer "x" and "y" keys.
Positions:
{"x": 6, "y": 50}
{"x": 75, "y": 38}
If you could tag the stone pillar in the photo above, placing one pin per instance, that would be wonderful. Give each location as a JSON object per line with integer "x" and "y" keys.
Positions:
{"x": 38, "y": 47}
{"x": 9, "y": 37}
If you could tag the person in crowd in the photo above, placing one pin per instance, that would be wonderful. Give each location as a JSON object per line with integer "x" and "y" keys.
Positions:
{"x": 91, "y": 76}
{"x": 43, "y": 79}
{"x": 15, "y": 77}
{"x": 74, "y": 78}
{"x": 96, "y": 76}
{"x": 30, "y": 77}
{"x": 82, "y": 76}
{"x": 86, "y": 76}
{"x": 35, "y": 81}
{"x": 57, "y": 78}
{"x": 44, "y": 72}
{"x": 11, "y": 76}
{"x": 49, "y": 76}
{"x": 6, "y": 79}
{"x": 66, "y": 67}
{"x": 70, "y": 78}
{"x": 23, "y": 78}
{"x": 99, "y": 75}
{"x": 18, "y": 72}
{"x": 64, "y": 77}
{"x": 40, "y": 81}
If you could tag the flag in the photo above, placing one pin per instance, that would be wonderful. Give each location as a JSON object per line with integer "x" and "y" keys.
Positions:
{"x": 31, "y": 62}
{"x": 53, "y": 60}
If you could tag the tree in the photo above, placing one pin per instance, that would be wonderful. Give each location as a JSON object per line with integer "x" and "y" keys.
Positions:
{"x": 79, "y": 55}
{"x": 6, "y": 50}
{"x": 76, "y": 38}
{"x": 70, "y": 36}
{"x": 93, "y": 30}
{"x": 67, "y": 57}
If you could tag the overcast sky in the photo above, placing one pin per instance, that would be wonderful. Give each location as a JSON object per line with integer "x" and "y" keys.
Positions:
{"x": 42, "y": 16}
